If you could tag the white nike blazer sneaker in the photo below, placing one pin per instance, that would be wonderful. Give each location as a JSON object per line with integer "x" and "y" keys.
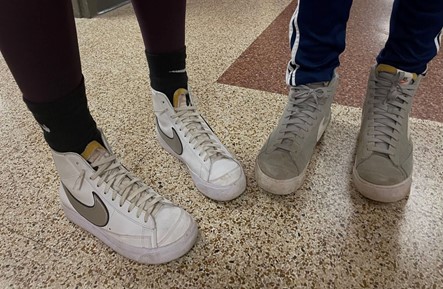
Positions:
{"x": 183, "y": 132}
{"x": 100, "y": 195}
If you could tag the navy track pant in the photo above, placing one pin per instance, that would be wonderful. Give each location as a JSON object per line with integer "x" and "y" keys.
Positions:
{"x": 317, "y": 33}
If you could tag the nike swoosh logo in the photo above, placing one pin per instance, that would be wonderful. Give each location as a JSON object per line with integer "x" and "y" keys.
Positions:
{"x": 174, "y": 143}
{"x": 97, "y": 214}
{"x": 45, "y": 128}
{"x": 321, "y": 129}
{"x": 178, "y": 71}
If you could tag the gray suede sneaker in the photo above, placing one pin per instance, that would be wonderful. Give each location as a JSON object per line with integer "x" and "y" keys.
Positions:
{"x": 383, "y": 162}
{"x": 281, "y": 164}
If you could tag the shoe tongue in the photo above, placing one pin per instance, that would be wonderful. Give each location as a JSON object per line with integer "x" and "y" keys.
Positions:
{"x": 315, "y": 85}
{"x": 399, "y": 77}
{"x": 94, "y": 151}
{"x": 304, "y": 105}
{"x": 389, "y": 72}
{"x": 181, "y": 98}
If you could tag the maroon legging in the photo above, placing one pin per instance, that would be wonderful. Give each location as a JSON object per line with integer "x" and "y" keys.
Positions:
{"x": 38, "y": 40}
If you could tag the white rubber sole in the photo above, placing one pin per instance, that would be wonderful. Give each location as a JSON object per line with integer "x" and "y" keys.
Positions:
{"x": 385, "y": 194}
{"x": 142, "y": 255}
{"x": 220, "y": 193}
{"x": 212, "y": 191}
{"x": 278, "y": 187}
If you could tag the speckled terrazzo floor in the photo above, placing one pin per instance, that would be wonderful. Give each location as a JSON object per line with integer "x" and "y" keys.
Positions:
{"x": 325, "y": 236}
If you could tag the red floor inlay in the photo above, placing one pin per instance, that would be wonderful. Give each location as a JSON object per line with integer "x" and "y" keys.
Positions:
{"x": 262, "y": 65}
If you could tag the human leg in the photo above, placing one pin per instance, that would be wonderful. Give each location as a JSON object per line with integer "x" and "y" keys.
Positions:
{"x": 38, "y": 41}
{"x": 317, "y": 33}
{"x": 384, "y": 156}
{"x": 414, "y": 35}
{"x": 162, "y": 24}
{"x": 181, "y": 130}
{"x": 41, "y": 51}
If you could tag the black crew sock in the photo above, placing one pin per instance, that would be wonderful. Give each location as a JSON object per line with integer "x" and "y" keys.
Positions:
{"x": 67, "y": 123}
{"x": 167, "y": 72}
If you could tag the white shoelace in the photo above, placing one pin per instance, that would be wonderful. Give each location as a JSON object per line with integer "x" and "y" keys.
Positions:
{"x": 124, "y": 184}
{"x": 389, "y": 105}
{"x": 303, "y": 106}
{"x": 199, "y": 137}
